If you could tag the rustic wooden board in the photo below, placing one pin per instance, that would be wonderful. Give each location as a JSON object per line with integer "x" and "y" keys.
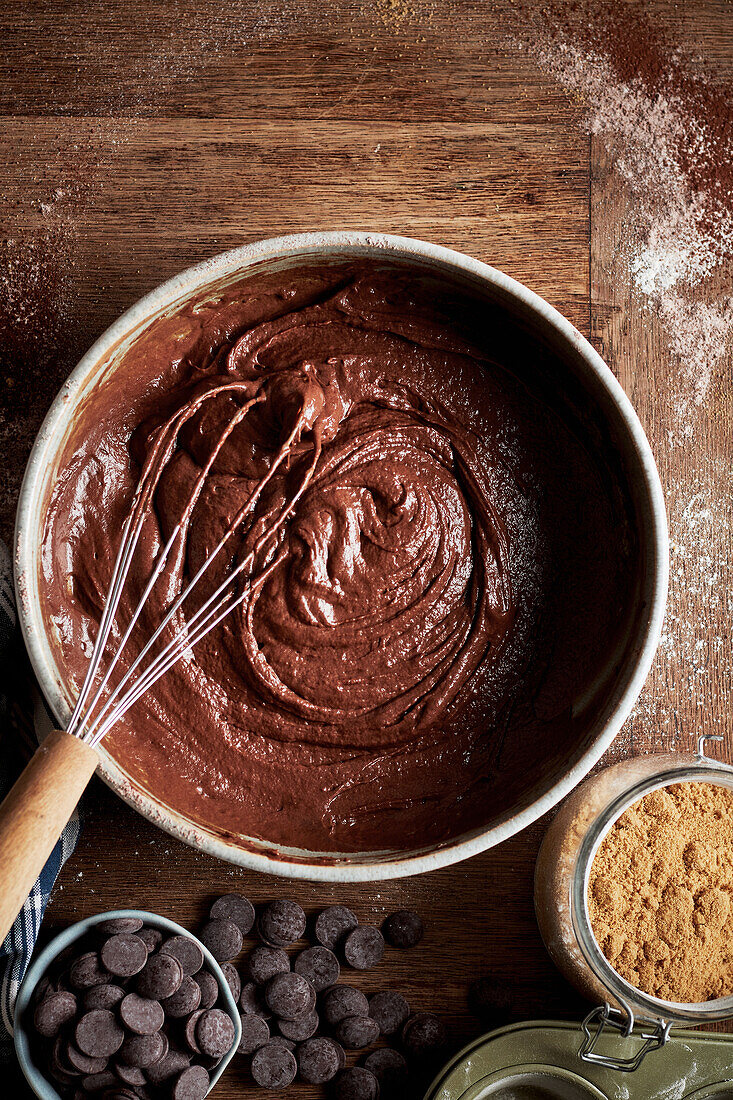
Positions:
{"x": 155, "y": 135}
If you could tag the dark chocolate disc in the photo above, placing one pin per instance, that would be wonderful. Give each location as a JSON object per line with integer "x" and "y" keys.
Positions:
{"x": 223, "y": 939}
{"x": 99, "y": 1082}
{"x": 255, "y": 1033}
{"x": 236, "y": 908}
{"x": 55, "y": 1010}
{"x": 215, "y": 1032}
{"x": 142, "y": 1015}
{"x": 389, "y": 1068}
{"x": 131, "y": 1075}
{"x": 390, "y": 1010}
{"x": 281, "y": 923}
{"x": 251, "y": 1001}
{"x": 423, "y": 1035}
{"x": 341, "y": 1001}
{"x": 333, "y": 924}
{"x": 319, "y": 965}
{"x": 403, "y": 929}
{"x": 170, "y": 1065}
{"x": 191, "y": 1084}
{"x": 160, "y": 977}
{"x": 289, "y": 995}
{"x": 151, "y": 937}
{"x": 124, "y": 954}
{"x": 273, "y": 1066}
{"x": 356, "y": 1083}
{"x": 265, "y": 962}
{"x": 301, "y": 1028}
{"x": 115, "y": 925}
{"x": 289, "y": 1043}
{"x": 233, "y": 980}
{"x": 357, "y": 1032}
{"x": 98, "y": 1033}
{"x": 143, "y": 1050}
{"x": 364, "y": 947}
{"x": 187, "y": 951}
{"x": 189, "y": 1030}
{"x": 83, "y": 1063}
{"x": 209, "y": 987}
{"x": 185, "y": 1000}
{"x": 87, "y": 971}
{"x": 103, "y": 996}
{"x": 318, "y": 1061}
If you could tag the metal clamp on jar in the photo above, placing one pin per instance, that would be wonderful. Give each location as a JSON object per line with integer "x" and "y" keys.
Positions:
{"x": 561, "y": 902}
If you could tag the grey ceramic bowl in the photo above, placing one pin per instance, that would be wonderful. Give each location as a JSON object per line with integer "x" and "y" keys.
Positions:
{"x": 34, "y": 1074}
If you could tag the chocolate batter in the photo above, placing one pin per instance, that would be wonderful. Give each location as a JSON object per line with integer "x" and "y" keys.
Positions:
{"x": 434, "y": 558}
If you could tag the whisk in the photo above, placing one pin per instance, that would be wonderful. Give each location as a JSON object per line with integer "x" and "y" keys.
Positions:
{"x": 37, "y": 808}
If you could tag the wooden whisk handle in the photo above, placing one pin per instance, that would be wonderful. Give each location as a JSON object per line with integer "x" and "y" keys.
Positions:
{"x": 34, "y": 813}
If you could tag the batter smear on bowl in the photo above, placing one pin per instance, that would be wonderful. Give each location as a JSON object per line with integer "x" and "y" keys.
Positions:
{"x": 435, "y": 566}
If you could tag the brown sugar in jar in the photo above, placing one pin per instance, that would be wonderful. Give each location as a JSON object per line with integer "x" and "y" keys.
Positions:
{"x": 660, "y": 891}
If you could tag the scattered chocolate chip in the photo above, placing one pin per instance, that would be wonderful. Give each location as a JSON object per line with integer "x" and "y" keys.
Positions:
{"x": 364, "y": 947}
{"x": 273, "y": 1066}
{"x": 390, "y": 1010}
{"x": 143, "y": 1050}
{"x": 356, "y": 1083}
{"x": 55, "y": 1010}
{"x": 131, "y": 1075}
{"x": 389, "y": 1068}
{"x": 187, "y": 951}
{"x": 333, "y": 924}
{"x": 114, "y": 925}
{"x": 223, "y": 939}
{"x": 209, "y": 987}
{"x": 423, "y": 1035}
{"x": 318, "y": 1061}
{"x": 98, "y": 1034}
{"x": 192, "y": 1084}
{"x": 123, "y": 955}
{"x": 357, "y": 1032}
{"x": 344, "y": 1000}
{"x": 265, "y": 962}
{"x": 251, "y": 1002}
{"x": 281, "y": 923}
{"x": 143, "y": 1015}
{"x": 185, "y": 1000}
{"x": 151, "y": 937}
{"x": 236, "y": 908}
{"x": 319, "y": 965}
{"x": 232, "y": 978}
{"x": 87, "y": 971}
{"x": 215, "y": 1032}
{"x": 403, "y": 929}
{"x": 168, "y": 1066}
{"x": 103, "y": 996}
{"x": 160, "y": 977}
{"x": 289, "y": 995}
{"x": 98, "y": 1082}
{"x": 83, "y": 1063}
{"x": 301, "y": 1028}
{"x": 255, "y": 1033}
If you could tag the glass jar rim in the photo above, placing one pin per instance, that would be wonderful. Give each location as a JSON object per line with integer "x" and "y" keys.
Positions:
{"x": 699, "y": 769}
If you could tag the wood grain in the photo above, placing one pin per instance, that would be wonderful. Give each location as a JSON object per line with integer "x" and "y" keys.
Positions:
{"x": 137, "y": 138}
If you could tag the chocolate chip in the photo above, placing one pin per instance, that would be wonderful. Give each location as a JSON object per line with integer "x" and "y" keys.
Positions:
{"x": 318, "y": 1061}
{"x": 123, "y": 955}
{"x": 209, "y": 987}
{"x": 97, "y": 1082}
{"x": 403, "y": 929}
{"x": 236, "y": 908}
{"x": 265, "y": 962}
{"x": 255, "y": 1033}
{"x": 143, "y": 1050}
{"x": 232, "y": 978}
{"x": 364, "y": 947}
{"x": 319, "y": 965}
{"x": 289, "y": 995}
{"x": 356, "y": 1083}
{"x": 131, "y": 1075}
{"x": 333, "y": 924}
{"x": 390, "y": 1010}
{"x": 83, "y": 1063}
{"x": 160, "y": 977}
{"x": 357, "y": 1032}
{"x": 343, "y": 1001}
{"x": 186, "y": 999}
{"x": 301, "y": 1028}
{"x": 44, "y": 986}
{"x": 189, "y": 1030}
{"x": 151, "y": 937}
{"x": 187, "y": 951}
{"x": 55, "y": 1010}
{"x": 103, "y": 996}
{"x": 273, "y": 1066}
{"x": 193, "y": 1084}
{"x": 142, "y": 1015}
{"x": 286, "y": 1042}
{"x": 423, "y": 1035}
{"x": 389, "y": 1068}
{"x": 114, "y": 925}
{"x": 223, "y": 939}
{"x": 215, "y": 1033}
{"x": 168, "y": 1066}
{"x": 281, "y": 923}
{"x": 341, "y": 1053}
{"x": 98, "y": 1034}
{"x": 87, "y": 971}
{"x": 251, "y": 1002}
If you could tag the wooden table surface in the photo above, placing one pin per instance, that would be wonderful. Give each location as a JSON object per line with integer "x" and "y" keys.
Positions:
{"x": 139, "y": 137}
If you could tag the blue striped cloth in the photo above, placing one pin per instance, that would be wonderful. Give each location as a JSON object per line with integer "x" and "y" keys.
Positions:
{"x": 18, "y": 947}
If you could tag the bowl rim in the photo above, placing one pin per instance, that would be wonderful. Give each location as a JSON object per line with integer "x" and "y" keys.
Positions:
{"x": 332, "y": 866}
{"x": 40, "y": 1084}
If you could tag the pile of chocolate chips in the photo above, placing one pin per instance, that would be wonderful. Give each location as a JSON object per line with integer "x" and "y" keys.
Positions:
{"x": 128, "y": 1014}
{"x": 297, "y": 1021}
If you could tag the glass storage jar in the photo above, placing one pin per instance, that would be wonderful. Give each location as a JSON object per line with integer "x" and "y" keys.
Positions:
{"x": 561, "y": 890}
